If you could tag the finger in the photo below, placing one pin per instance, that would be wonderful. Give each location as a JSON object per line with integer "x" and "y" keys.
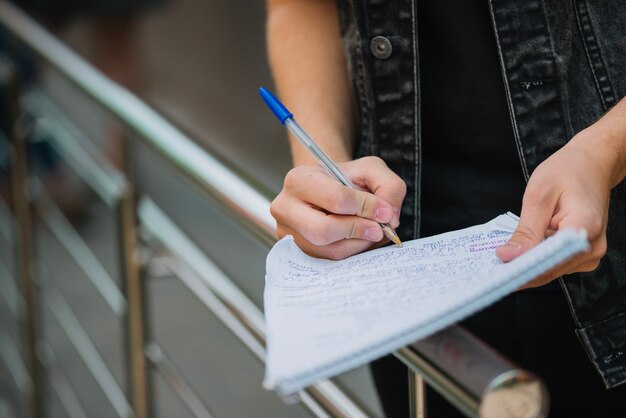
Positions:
{"x": 592, "y": 222}
{"x": 590, "y": 260}
{"x": 537, "y": 211}
{"x": 556, "y": 272}
{"x": 373, "y": 174}
{"x": 583, "y": 262}
{"x": 334, "y": 251}
{"x": 580, "y": 264}
{"x": 320, "y": 228}
{"x": 320, "y": 190}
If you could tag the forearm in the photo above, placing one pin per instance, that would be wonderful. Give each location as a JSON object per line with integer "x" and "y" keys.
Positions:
{"x": 310, "y": 72}
{"x": 607, "y": 139}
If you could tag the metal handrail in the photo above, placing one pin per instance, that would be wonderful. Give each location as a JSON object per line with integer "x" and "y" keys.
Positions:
{"x": 249, "y": 205}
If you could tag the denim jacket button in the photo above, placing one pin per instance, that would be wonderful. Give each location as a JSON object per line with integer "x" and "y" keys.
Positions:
{"x": 380, "y": 47}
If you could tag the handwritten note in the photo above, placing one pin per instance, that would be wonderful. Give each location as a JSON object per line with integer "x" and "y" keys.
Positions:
{"x": 325, "y": 317}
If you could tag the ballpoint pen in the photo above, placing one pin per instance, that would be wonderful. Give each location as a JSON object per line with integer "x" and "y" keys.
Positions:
{"x": 286, "y": 118}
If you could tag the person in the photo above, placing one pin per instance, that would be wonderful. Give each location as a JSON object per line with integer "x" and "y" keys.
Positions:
{"x": 448, "y": 113}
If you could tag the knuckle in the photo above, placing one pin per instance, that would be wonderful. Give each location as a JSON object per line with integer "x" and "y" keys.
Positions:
{"x": 594, "y": 265}
{"x": 590, "y": 266}
{"x": 276, "y": 207}
{"x": 355, "y": 230}
{"x": 377, "y": 161}
{"x": 358, "y": 228}
{"x": 364, "y": 205}
{"x": 595, "y": 226}
{"x": 340, "y": 201}
{"x": 290, "y": 178}
{"x": 525, "y": 233}
{"x": 400, "y": 188}
{"x": 394, "y": 191}
{"x": 599, "y": 250}
{"x": 320, "y": 234}
{"x": 293, "y": 178}
{"x": 280, "y": 206}
{"x": 374, "y": 160}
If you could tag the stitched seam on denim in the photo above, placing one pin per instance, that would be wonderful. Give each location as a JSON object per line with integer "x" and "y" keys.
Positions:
{"x": 594, "y": 54}
{"x": 565, "y": 114}
{"x": 364, "y": 113}
{"x": 363, "y": 109}
{"x": 570, "y": 302}
{"x": 417, "y": 127}
{"x": 518, "y": 143}
{"x": 589, "y": 350}
{"x": 369, "y": 87}
{"x": 589, "y": 60}
{"x": 595, "y": 359}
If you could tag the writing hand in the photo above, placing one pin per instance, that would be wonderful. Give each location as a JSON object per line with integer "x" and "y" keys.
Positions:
{"x": 329, "y": 220}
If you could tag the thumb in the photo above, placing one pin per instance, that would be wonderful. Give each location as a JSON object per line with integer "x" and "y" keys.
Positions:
{"x": 531, "y": 230}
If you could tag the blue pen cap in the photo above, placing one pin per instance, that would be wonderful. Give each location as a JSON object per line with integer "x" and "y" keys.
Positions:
{"x": 275, "y": 105}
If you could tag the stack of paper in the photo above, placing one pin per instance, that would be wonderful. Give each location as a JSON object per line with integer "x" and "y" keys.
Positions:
{"x": 326, "y": 317}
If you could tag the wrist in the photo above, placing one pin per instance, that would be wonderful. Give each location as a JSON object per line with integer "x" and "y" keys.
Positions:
{"x": 607, "y": 147}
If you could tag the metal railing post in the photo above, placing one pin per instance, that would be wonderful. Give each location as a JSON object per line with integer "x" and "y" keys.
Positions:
{"x": 24, "y": 238}
{"x": 417, "y": 395}
{"x": 135, "y": 316}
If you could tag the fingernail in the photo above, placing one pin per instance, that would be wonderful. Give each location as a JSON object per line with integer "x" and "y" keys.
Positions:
{"x": 383, "y": 214}
{"x": 512, "y": 246}
{"x": 373, "y": 233}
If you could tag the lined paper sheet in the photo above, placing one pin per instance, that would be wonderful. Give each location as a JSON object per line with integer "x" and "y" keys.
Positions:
{"x": 326, "y": 317}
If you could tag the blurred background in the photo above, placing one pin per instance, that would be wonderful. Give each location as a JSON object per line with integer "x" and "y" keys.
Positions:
{"x": 198, "y": 63}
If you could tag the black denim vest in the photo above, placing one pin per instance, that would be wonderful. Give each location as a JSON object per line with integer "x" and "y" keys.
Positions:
{"x": 564, "y": 65}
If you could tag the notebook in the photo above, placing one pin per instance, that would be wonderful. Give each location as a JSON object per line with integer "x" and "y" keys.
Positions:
{"x": 326, "y": 317}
